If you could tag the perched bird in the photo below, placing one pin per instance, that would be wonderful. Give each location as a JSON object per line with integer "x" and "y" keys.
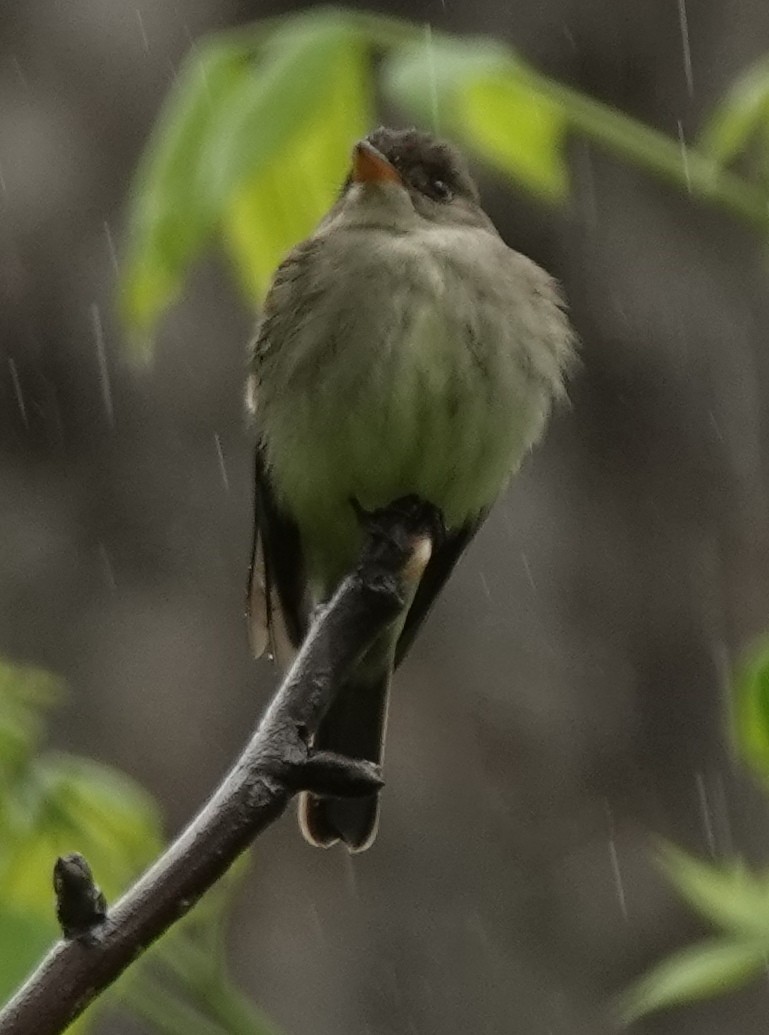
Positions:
{"x": 403, "y": 349}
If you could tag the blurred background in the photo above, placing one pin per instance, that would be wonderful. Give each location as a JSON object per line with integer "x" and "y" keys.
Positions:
{"x": 566, "y": 702}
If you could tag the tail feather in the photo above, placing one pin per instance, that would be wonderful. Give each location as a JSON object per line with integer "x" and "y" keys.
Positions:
{"x": 354, "y": 726}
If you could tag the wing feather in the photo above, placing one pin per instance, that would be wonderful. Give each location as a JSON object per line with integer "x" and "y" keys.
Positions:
{"x": 277, "y": 597}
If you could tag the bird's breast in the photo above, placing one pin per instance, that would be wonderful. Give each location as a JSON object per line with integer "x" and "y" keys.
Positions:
{"x": 401, "y": 375}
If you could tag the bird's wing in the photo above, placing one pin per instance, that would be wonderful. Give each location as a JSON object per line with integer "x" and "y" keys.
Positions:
{"x": 277, "y": 600}
{"x": 277, "y": 603}
{"x": 440, "y": 566}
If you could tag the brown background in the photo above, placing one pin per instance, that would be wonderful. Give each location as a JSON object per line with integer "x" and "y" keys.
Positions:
{"x": 566, "y": 702}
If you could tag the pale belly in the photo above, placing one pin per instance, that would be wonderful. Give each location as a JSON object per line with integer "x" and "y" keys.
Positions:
{"x": 400, "y": 394}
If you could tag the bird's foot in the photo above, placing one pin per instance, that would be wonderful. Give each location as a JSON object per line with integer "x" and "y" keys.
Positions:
{"x": 409, "y": 516}
{"x": 402, "y": 535}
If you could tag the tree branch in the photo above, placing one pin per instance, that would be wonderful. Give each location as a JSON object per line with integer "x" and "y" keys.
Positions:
{"x": 274, "y": 765}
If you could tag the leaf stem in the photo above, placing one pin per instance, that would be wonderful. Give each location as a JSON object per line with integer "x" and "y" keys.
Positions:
{"x": 655, "y": 151}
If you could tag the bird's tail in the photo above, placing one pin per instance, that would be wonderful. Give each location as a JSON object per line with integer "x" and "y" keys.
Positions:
{"x": 354, "y": 726}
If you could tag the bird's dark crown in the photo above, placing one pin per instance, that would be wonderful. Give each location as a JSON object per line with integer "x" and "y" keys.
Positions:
{"x": 427, "y": 164}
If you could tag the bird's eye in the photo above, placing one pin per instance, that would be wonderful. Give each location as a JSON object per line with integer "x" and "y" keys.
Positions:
{"x": 440, "y": 190}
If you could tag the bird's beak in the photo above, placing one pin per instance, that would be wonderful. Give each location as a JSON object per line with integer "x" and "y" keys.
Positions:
{"x": 371, "y": 166}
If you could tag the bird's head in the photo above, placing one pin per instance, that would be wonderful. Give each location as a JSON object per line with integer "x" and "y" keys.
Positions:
{"x": 412, "y": 176}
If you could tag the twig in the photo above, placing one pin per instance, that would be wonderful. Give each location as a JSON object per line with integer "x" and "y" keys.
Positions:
{"x": 275, "y": 764}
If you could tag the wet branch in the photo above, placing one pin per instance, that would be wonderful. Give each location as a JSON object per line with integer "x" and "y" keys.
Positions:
{"x": 275, "y": 764}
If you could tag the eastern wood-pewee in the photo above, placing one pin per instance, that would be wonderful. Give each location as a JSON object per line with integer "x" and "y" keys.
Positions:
{"x": 404, "y": 349}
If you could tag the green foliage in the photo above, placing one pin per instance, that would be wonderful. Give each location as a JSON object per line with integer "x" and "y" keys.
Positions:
{"x": 289, "y": 178}
{"x": 252, "y": 143}
{"x": 741, "y": 117}
{"x": 752, "y": 712}
{"x": 173, "y": 211}
{"x": 254, "y": 140}
{"x": 477, "y": 93}
{"x": 51, "y": 804}
{"x": 702, "y": 971}
{"x": 728, "y": 896}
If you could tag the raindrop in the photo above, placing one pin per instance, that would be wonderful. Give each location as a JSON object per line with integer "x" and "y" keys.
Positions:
{"x": 111, "y": 247}
{"x": 617, "y": 873}
{"x": 715, "y": 426}
{"x": 485, "y": 585}
{"x": 721, "y": 810}
{"x": 143, "y": 31}
{"x": 106, "y": 389}
{"x": 684, "y": 22}
{"x": 684, "y": 156}
{"x": 20, "y": 72}
{"x": 109, "y": 571}
{"x": 527, "y": 569}
{"x": 706, "y": 813}
{"x": 222, "y": 467}
{"x": 352, "y": 876}
{"x": 615, "y": 867}
{"x": 18, "y": 391}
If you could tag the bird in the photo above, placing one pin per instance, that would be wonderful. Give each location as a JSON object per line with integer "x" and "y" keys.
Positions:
{"x": 403, "y": 350}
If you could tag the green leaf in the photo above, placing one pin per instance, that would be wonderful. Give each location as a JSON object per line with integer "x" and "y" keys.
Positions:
{"x": 519, "y": 132}
{"x": 171, "y": 211}
{"x": 33, "y": 688}
{"x": 23, "y": 940}
{"x": 287, "y": 93}
{"x": 416, "y": 74}
{"x": 82, "y": 806}
{"x": 284, "y": 199}
{"x": 59, "y": 803}
{"x": 751, "y": 703}
{"x": 704, "y": 970}
{"x": 727, "y": 895}
{"x": 25, "y": 694}
{"x": 238, "y": 110}
{"x": 742, "y": 114}
{"x": 478, "y": 93}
